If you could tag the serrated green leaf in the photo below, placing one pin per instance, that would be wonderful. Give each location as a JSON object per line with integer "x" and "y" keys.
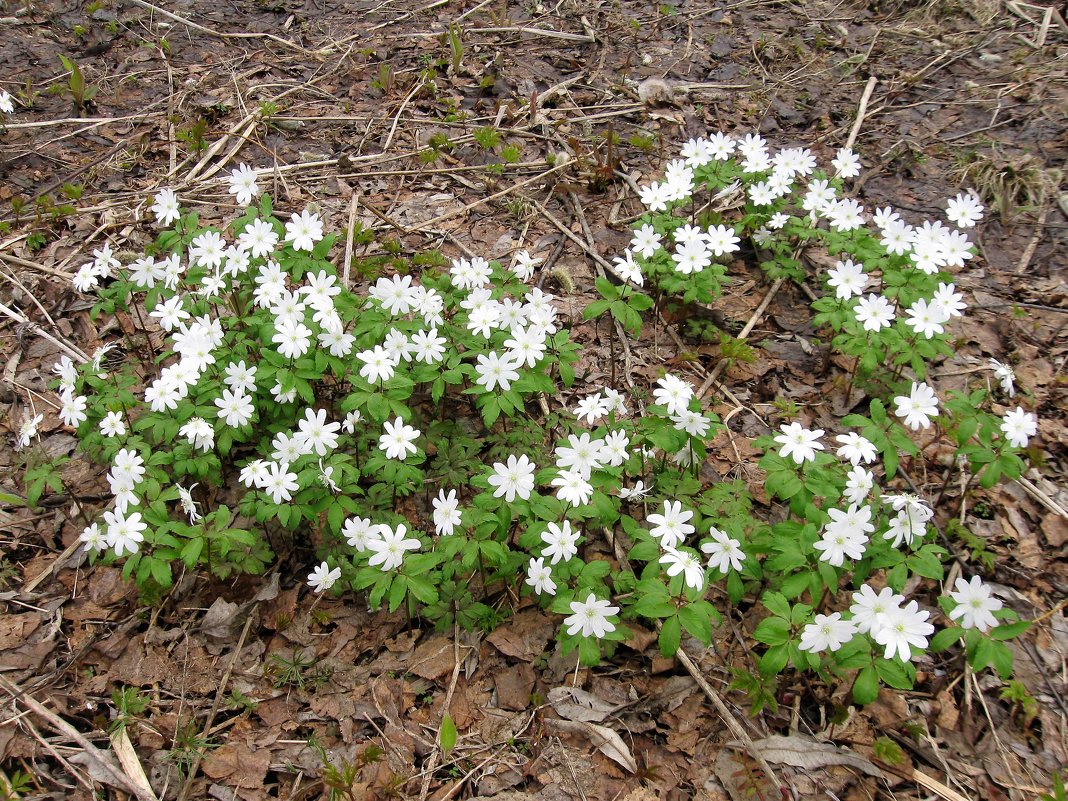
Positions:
{"x": 670, "y": 636}
{"x": 776, "y": 603}
{"x": 1006, "y": 631}
{"x": 894, "y": 673}
{"x": 595, "y": 309}
{"x": 946, "y": 638}
{"x": 774, "y": 660}
{"x": 772, "y": 631}
{"x": 192, "y": 550}
{"x": 866, "y": 687}
{"x": 640, "y": 302}
{"x": 397, "y": 590}
{"x": 697, "y": 623}
{"x": 925, "y": 563}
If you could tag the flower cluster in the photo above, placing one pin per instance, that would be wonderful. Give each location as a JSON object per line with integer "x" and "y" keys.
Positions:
{"x": 890, "y": 300}
{"x": 423, "y": 439}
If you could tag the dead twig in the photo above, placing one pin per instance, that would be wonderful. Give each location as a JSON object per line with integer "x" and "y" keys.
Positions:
{"x": 88, "y": 122}
{"x": 1029, "y": 251}
{"x": 241, "y": 129}
{"x": 397, "y": 116}
{"x": 728, "y": 718}
{"x": 187, "y": 786}
{"x": 861, "y": 110}
{"x": 116, "y": 777}
{"x": 218, "y": 34}
{"x": 1047, "y": 16}
{"x": 436, "y": 755}
{"x": 77, "y": 774}
{"x": 69, "y": 349}
{"x": 935, "y": 786}
{"x": 721, "y": 365}
{"x": 1042, "y": 497}
{"x": 20, "y": 262}
{"x": 481, "y": 202}
{"x": 350, "y": 234}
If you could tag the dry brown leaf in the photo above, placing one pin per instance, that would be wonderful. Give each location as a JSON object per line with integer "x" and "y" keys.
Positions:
{"x": 220, "y": 621}
{"x": 514, "y": 686}
{"x": 14, "y": 629}
{"x": 237, "y": 765}
{"x": 524, "y": 636}
{"x": 948, "y": 714}
{"x": 124, "y": 750}
{"x": 808, "y": 753}
{"x": 1055, "y": 529}
{"x": 603, "y": 738}
{"x": 573, "y": 703}
{"x": 433, "y": 658}
{"x": 741, "y": 777}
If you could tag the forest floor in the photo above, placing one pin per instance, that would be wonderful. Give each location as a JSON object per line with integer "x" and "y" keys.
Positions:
{"x": 238, "y": 681}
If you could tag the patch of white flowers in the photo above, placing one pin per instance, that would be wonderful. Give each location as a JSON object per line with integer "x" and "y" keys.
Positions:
{"x": 474, "y": 331}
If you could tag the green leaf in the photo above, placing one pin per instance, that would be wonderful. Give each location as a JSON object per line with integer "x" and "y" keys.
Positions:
{"x": 786, "y": 484}
{"x": 640, "y": 302}
{"x": 596, "y": 309}
{"x": 989, "y": 652}
{"x": 33, "y": 492}
{"x": 990, "y": 475}
{"x": 774, "y": 660}
{"x": 606, "y": 289}
{"x": 651, "y": 606}
{"x": 772, "y": 631}
{"x": 946, "y": 638}
{"x": 776, "y": 603}
{"x": 896, "y": 577}
{"x": 447, "y": 734}
{"x": 423, "y": 589}
{"x": 191, "y": 551}
{"x": 799, "y": 614}
{"x": 1007, "y": 631}
{"x": 925, "y": 563}
{"x": 378, "y": 407}
{"x": 878, "y": 412}
{"x": 589, "y": 651}
{"x": 895, "y": 673}
{"x": 335, "y": 516}
{"x": 627, "y": 317}
{"x": 735, "y": 588}
{"x": 1002, "y": 660}
{"x": 161, "y": 571}
{"x": 890, "y": 461}
{"x": 829, "y": 576}
{"x": 866, "y": 687}
{"x": 797, "y": 583}
{"x": 697, "y": 623}
{"x": 397, "y": 590}
{"x": 491, "y": 410}
{"x": 670, "y": 636}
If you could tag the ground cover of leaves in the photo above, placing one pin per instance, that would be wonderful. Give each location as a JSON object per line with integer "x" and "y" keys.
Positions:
{"x": 247, "y": 684}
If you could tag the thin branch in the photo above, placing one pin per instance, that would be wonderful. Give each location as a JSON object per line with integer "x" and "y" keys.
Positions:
{"x": 728, "y": 718}
{"x": 862, "y": 110}
{"x": 188, "y": 785}
{"x": 195, "y": 26}
{"x": 475, "y": 204}
{"x": 115, "y": 777}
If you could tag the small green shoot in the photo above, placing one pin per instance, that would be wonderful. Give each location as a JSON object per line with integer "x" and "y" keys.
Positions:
{"x": 81, "y": 93}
